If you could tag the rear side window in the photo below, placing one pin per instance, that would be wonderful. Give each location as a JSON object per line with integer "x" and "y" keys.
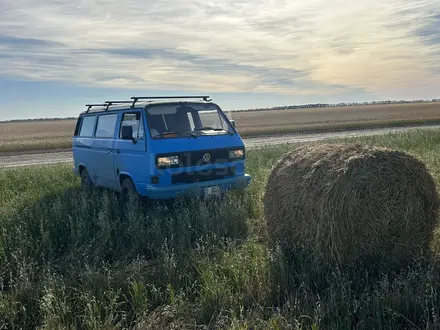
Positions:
{"x": 106, "y": 126}
{"x": 78, "y": 125}
{"x": 88, "y": 123}
{"x": 133, "y": 119}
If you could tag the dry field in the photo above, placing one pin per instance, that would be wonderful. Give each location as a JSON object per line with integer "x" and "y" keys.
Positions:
{"x": 47, "y": 135}
{"x": 300, "y": 120}
{"x": 36, "y": 135}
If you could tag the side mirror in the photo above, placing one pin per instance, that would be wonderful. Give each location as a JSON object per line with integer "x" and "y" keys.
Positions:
{"x": 232, "y": 122}
{"x": 127, "y": 133}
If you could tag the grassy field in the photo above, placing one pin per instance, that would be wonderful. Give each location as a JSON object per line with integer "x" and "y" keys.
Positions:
{"x": 48, "y": 135}
{"x": 77, "y": 260}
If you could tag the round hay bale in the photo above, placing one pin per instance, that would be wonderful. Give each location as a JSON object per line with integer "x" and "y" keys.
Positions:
{"x": 351, "y": 203}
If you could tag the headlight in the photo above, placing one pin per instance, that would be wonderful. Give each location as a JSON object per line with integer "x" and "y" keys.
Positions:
{"x": 167, "y": 161}
{"x": 235, "y": 154}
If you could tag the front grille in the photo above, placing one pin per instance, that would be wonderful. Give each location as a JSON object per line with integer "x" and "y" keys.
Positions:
{"x": 203, "y": 175}
{"x": 196, "y": 158}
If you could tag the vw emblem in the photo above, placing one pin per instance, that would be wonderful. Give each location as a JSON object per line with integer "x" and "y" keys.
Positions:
{"x": 207, "y": 157}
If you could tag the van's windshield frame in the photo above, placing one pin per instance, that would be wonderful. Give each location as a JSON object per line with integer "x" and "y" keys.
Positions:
{"x": 196, "y": 128}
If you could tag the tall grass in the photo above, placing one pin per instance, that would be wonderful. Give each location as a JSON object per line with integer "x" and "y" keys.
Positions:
{"x": 71, "y": 259}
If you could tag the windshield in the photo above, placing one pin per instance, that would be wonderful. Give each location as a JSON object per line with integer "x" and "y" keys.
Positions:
{"x": 189, "y": 119}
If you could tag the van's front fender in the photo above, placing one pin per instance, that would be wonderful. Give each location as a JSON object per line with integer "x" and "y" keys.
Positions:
{"x": 139, "y": 185}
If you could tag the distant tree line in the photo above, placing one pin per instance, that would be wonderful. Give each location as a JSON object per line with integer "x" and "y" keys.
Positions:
{"x": 341, "y": 104}
{"x": 37, "y": 119}
{"x": 286, "y": 107}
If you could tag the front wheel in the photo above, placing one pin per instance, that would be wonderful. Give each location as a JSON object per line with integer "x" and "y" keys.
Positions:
{"x": 128, "y": 189}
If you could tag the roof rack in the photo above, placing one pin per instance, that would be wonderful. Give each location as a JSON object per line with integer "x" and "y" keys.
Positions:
{"x": 137, "y": 98}
{"x": 110, "y": 103}
{"x": 89, "y": 106}
{"x": 134, "y": 99}
{"x": 106, "y": 104}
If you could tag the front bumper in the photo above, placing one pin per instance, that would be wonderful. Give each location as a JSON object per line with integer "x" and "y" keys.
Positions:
{"x": 175, "y": 190}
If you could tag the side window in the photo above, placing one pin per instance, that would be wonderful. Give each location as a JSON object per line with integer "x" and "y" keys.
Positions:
{"x": 210, "y": 118}
{"x": 224, "y": 122}
{"x": 88, "y": 123}
{"x": 78, "y": 125}
{"x": 106, "y": 126}
{"x": 133, "y": 119}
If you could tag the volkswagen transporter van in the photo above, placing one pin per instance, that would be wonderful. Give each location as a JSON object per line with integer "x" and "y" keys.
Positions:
{"x": 159, "y": 147}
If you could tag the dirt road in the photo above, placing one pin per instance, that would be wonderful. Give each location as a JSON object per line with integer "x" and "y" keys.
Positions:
{"x": 66, "y": 156}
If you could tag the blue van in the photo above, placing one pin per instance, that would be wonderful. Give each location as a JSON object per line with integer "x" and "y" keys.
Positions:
{"x": 159, "y": 147}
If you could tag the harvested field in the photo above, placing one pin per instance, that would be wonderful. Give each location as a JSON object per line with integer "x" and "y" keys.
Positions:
{"x": 36, "y": 135}
{"x": 355, "y": 114}
{"x": 43, "y": 135}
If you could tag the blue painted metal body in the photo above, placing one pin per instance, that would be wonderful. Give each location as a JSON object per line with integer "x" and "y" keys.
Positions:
{"x": 110, "y": 160}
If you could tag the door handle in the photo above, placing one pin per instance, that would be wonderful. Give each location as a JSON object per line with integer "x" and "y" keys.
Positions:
{"x": 110, "y": 150}
{"x": 118, "y": 151}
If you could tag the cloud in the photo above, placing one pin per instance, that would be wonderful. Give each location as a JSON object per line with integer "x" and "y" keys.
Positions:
{"x": 282, "y": 46}
{"x": 14, "y": 42}
{"x": 430, "y": 32}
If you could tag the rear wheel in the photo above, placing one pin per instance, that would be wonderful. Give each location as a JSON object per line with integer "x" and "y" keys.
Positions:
{"x": 86, "y": 183}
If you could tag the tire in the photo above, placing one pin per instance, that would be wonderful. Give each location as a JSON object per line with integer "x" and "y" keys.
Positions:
{"x": 86, "y": 182}
{"x": 127, "y": 189}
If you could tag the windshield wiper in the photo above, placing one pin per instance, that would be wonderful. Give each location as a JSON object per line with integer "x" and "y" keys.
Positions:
{"x": 177, "y": 133}
{"x": 212, "y": 129}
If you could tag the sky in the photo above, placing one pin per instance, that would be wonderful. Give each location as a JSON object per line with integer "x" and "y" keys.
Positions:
{"x": 57, "y": 55}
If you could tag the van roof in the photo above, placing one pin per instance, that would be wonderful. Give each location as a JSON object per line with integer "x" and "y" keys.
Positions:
{"x": 140, "y": 105}
{"x": 134, "y": 104}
